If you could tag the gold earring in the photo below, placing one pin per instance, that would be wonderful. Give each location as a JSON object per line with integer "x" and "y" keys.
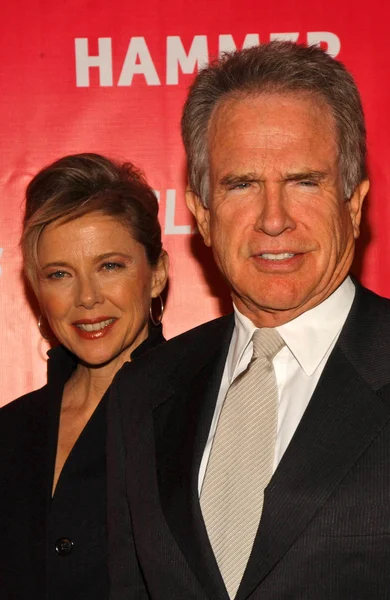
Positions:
{"x": 157, "y": 321}
{"x": 45, "y": 337}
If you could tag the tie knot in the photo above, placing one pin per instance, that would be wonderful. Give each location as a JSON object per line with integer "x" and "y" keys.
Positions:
{"x": 266, "y": 342}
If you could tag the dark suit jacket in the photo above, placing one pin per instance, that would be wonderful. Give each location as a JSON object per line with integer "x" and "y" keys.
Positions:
{"x": 31, "y": 522}
{"x": 325, "y": 527}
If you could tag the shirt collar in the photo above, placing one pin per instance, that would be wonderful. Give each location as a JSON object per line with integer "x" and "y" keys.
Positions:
{"x": 309, "y": 336}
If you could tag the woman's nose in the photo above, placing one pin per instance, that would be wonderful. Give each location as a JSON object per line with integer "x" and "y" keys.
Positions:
{"x": 89, "y": 293}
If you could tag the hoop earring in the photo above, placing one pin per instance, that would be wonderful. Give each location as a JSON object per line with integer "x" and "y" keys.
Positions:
{"x": 157, "y": 321}
{"x": 45, "y": 337}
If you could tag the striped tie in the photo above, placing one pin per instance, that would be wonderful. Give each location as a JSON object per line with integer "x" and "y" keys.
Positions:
{"x": 241, "y": 460}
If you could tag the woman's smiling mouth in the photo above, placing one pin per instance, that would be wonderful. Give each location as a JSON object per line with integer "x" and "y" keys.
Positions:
{"x": 91, "y": 329}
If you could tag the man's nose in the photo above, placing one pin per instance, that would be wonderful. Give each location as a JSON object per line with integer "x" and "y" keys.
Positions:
{"x": 274, "y": 216}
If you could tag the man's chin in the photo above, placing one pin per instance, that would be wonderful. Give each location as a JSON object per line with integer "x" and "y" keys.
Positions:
{"x": 274, "y": 308}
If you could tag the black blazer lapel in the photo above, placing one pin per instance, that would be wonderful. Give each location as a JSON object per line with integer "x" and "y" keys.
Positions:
{"x": 343, "y": 417}
{"x": 345, "y": 414}
{"x": 36, "y": 464}
{"x": 182, "y": 425}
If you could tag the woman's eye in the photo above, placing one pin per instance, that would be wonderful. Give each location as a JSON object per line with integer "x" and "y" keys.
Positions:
{"x": 57, "y": 275}
{"x": 111, "y": 266}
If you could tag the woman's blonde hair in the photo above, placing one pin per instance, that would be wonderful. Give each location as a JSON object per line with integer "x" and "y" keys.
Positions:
{"x": 78, "y": 184}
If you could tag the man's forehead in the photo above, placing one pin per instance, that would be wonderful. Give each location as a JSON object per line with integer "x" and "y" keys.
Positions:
{"x": 252, "y": 140}
{"x": 232, "y": 107}
{"x": 272, "y": 122}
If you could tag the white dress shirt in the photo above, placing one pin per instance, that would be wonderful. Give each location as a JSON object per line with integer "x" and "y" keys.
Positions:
{"x": 309, "y": 339}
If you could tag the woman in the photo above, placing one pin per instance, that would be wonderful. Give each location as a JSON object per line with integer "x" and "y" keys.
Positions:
{"x": 92, "y": 253}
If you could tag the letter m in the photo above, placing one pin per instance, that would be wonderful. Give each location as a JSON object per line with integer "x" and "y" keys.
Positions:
{"x": 176, "y": 55}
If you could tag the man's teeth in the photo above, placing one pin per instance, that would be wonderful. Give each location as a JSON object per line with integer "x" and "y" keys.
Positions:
{"x": 282, "y": 256}
{"x": 94, "y": 326}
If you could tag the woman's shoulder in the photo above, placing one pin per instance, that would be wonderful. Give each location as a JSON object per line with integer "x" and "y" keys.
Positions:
{"x": 17, "y": 420}
{"x": 60, "y": 366}
{"x": 23, "y": 407}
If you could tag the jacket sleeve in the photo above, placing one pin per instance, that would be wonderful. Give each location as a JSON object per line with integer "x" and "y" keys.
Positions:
{"x": 126, "y": 579}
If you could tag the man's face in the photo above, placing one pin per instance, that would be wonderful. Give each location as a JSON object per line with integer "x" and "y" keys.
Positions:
{"x": 280, "y": 229}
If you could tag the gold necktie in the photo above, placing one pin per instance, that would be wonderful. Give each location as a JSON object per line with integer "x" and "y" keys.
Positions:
{"x": 241, "y": 460}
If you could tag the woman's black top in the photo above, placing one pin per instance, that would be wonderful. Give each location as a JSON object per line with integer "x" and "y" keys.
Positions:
{"x": 53, "y": 548}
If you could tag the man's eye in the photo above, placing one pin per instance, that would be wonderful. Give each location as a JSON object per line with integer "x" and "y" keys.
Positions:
{"x": 243, "y": 185}
{"x": 308, "y": 183}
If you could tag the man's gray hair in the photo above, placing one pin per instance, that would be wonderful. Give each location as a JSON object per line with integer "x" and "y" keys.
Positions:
{"x": 275, "y": 67}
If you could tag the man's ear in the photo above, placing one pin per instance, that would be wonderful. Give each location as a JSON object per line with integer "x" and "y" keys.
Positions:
{"x": 201, "y": 214}
{"x": 356, "y": 204}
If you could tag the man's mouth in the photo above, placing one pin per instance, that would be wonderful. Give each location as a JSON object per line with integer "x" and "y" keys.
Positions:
{"x": 275, "y": 257}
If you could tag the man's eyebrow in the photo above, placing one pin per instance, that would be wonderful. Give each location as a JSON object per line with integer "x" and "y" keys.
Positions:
{"x": 309, "y": 174}
{"x": 233, "y": 178}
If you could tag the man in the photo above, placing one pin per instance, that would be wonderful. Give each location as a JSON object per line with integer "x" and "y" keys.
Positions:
{"x": 251, "y": 455}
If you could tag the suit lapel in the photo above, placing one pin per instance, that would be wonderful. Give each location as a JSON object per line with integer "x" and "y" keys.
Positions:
{"x": 182, "y": 425}
{"x": 345, "y": 414}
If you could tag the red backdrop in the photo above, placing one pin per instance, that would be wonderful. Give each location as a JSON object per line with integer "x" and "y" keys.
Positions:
{"x": 79, "y": 76}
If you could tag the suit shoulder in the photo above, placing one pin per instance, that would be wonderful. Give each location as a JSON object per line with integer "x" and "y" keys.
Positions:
{"x": 375, "y": 300}
{"x": 202, "y": 332}
{"x": 190, "y": 343}
{"x": 372, "y": 311}
{"x": 365, "y": 337}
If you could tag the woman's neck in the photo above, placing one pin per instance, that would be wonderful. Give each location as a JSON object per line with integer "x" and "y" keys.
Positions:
{"x": 88, "y": 384}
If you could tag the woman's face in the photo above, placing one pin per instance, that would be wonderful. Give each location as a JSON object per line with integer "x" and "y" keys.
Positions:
{"x": 96, "y": 286}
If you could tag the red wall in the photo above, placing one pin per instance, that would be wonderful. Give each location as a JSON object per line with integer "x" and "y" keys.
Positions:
{"x": 54, "y": 102}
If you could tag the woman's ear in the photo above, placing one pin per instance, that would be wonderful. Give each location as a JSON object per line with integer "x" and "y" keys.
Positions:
{"x": 160, "y": 274}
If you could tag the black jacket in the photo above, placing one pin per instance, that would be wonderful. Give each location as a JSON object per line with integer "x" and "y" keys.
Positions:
{"x": 53, "y": 548}
{"x": 325, "y": 527}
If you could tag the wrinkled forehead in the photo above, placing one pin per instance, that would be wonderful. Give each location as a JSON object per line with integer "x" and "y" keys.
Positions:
{"x": 272, "y": 136}
{"x": 234, "y": 104}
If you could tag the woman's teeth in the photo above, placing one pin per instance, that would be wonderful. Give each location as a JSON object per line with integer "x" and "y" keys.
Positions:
{"x": 282, "y": 256}
{"x": 94, "y": 326}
